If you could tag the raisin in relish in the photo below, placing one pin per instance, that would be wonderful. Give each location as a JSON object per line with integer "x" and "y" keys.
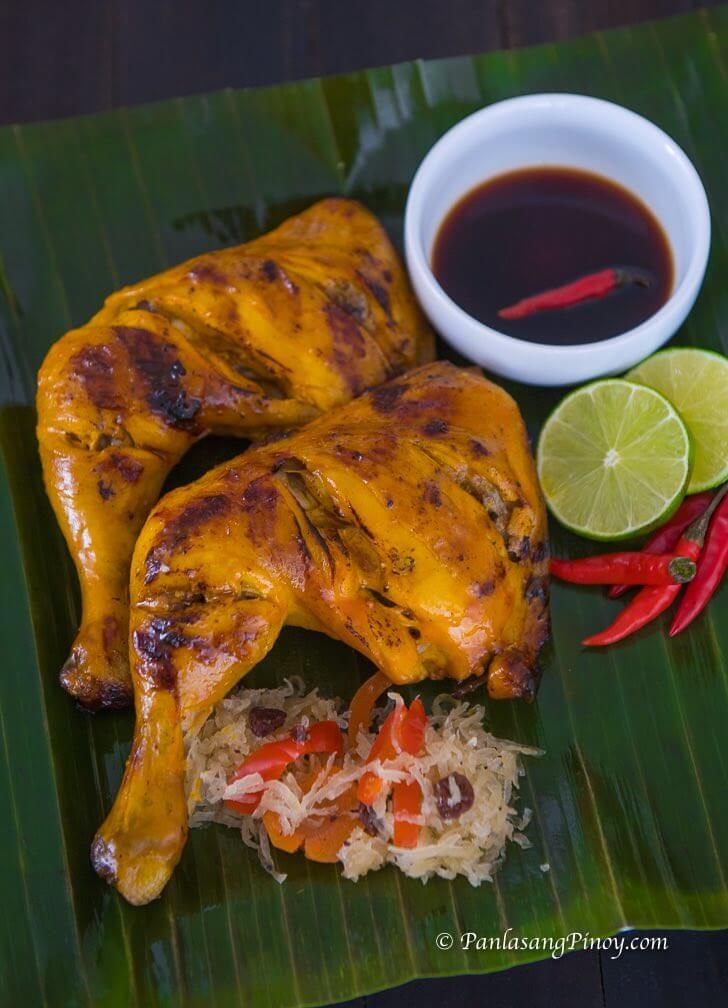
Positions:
{"x": 441, "y": 792}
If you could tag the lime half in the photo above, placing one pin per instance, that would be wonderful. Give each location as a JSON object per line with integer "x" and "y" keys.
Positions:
{"x": 696, "y": 383}
{"x": 613, "y": 459}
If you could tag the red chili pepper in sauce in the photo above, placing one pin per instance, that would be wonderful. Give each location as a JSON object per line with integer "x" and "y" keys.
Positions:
{"x": 626, "y": 568}
{"x": 650, "y": 602}
{"x": 595, "y": 285}
{"x": 665, "y": 539}
{"x": 711, "y": 570}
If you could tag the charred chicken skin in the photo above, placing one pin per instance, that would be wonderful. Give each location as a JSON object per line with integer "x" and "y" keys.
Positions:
{"x": 243, "y": 341}
{"x": 408, "y": 523}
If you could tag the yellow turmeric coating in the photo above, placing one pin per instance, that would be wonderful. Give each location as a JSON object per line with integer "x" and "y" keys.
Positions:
{"x": 408, "y": 524}
{"x": 242, "y": 341}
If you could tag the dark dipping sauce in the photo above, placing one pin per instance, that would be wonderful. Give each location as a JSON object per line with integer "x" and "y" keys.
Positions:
{"x": 532, "y": 230}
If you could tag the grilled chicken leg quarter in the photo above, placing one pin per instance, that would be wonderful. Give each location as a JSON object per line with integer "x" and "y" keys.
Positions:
{"x": 408, "y": 524}
{"x": 242, "y": 341}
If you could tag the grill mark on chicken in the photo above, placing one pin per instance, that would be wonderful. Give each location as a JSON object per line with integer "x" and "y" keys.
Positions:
{"x": 302, "y": 544}
{"x": 269, "y": 270}
{"x": 155, "y": 645}
{"x": 115, "y": 463}
{"x": 260, "y": 495}
{"x": 378, "y": 291}
{"x": 539, "y": 552}
{"x": 478, "y": 449}
{"x": 537, "y": 587}
{"x": 519, "y": 549}
{"x": 160, "y": 370}
{"x": 180, "y": 527}
{"x": 391, "y": 400}
{"x": 260, "y": 501}
{"x": 208, "y": 272}
{"x": 385, "y": 398}
{"x": 129, "y": 469}
{"x": 348, "y": 345}
{"x": 93, "y": 366}
{"x": 431, "y": 493}
{"x": 435, "y": 427}
{"x": 350, "y": 299}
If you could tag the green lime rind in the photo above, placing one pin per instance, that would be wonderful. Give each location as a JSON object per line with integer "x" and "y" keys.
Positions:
{"x": 614, "y": 459}
{"x": 696, "y": 383}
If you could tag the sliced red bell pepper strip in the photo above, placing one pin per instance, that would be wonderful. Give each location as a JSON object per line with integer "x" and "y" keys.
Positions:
{"x": 403, "y": 731}
{"x": 271, "y": 759}
{"x": 406, "y": 800}
{"x": 382, "y": 749}
{"x": 412, "y": 731}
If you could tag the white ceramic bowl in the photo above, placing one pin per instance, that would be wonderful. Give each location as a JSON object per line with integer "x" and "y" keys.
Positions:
{"x": 577, "y": 132}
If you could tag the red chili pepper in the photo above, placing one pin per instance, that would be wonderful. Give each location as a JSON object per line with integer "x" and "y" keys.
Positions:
{"x": 272, "y": 759}
{"x": 650, "y": 602}
{"x": 665, "y": 539}
{"x": 406, "y": 801}
{"x": 403, "y": 731}
{"x": 627, "y": 568}
{"x": 595, "y": 285}
{"x": 711, "y": 569}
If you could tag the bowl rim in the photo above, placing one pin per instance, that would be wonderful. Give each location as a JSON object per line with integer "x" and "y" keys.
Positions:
{"x": 680, "y": 299}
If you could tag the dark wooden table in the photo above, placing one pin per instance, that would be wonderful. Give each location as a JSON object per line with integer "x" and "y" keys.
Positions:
{"x": 65, "y": 58}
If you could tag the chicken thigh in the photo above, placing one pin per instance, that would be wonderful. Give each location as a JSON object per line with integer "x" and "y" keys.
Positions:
{"x": 243, "y": 341}
{"x": 408, "y": 524}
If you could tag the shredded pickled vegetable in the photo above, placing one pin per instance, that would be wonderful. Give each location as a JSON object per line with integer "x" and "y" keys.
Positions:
{"x": 472, "y": 844}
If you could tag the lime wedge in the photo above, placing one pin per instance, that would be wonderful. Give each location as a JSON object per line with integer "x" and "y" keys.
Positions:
{"x": 696, "y": 383}
{"x": 613, "y": 459}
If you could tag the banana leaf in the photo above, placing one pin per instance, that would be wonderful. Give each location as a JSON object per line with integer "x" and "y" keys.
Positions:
{"x": 629, "y": 802}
